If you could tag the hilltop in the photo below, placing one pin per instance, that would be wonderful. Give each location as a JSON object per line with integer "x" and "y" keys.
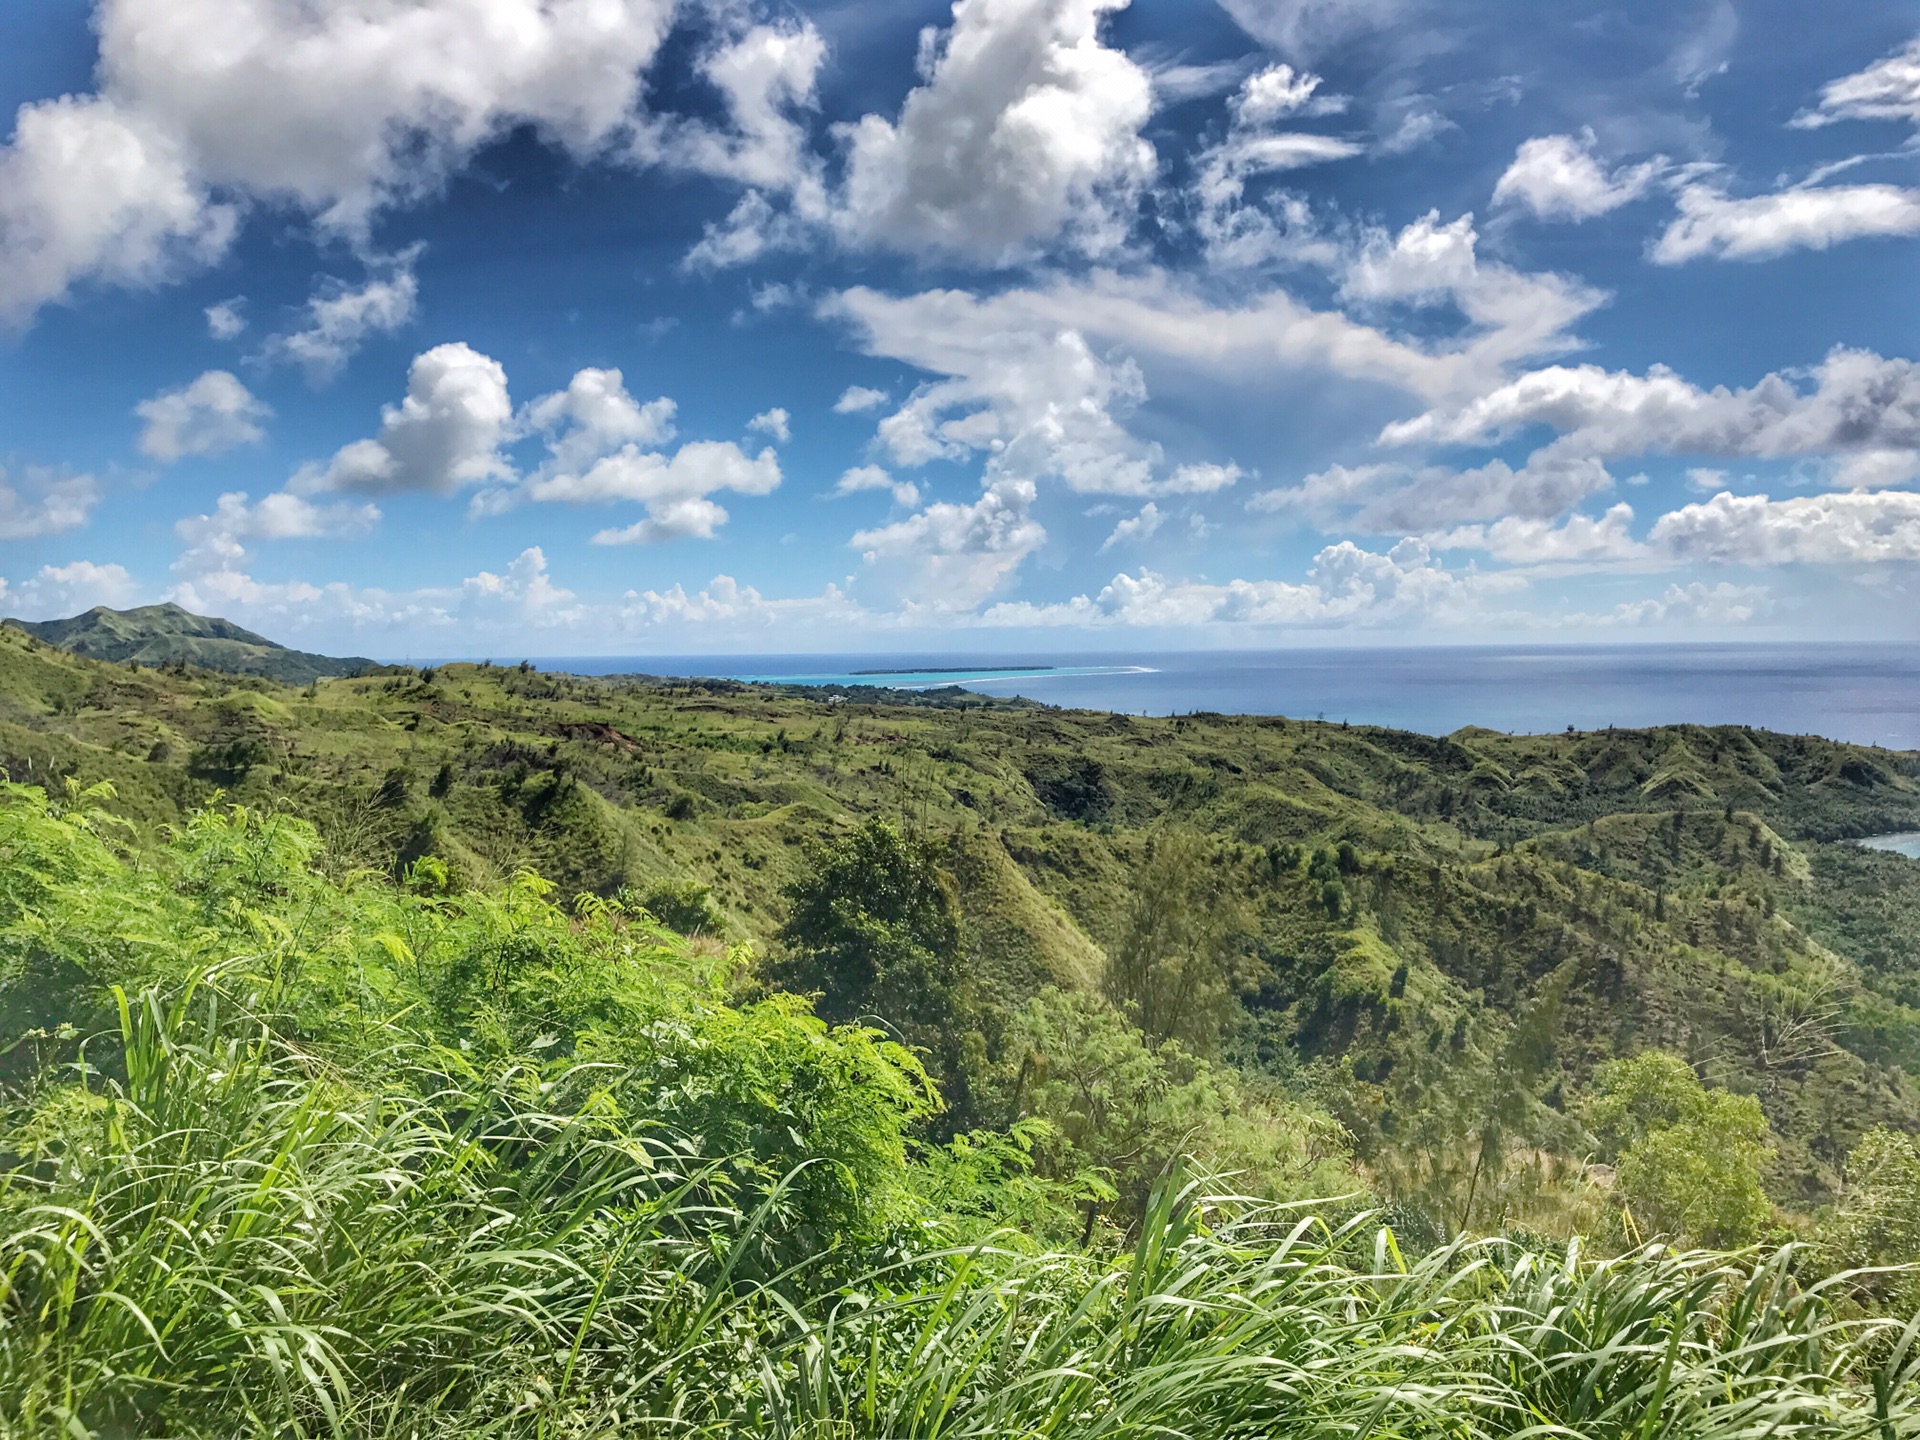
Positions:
{"x": 1394, "y": 909}
{"x": 168, "y": 635}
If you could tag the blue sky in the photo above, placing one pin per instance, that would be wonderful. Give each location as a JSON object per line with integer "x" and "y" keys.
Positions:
{"x": 627, "y": 326}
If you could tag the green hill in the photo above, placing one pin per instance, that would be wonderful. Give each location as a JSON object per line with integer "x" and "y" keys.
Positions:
{"x": 167, "y": 635}
{"x": 1382, "y": 917}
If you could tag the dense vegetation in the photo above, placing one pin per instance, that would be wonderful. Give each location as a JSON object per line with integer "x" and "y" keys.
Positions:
{"x": 168, "y": 635}
{"x": 480, "y": 1048}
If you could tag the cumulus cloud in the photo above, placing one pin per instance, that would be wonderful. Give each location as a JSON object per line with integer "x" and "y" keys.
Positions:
{"x": 873, "y": 477}
{"x": 218, "y": 541}
{"x": 1558, "y": 177}
{"x": 1697, "y": 603}
{"x": 603, "y": 448}
{"x": 765, "y": 76}
{"x": 1888, "y": 89}
{"x": 91, "y": 190}
{"x": 859, "y": 399}
{"x": 1276, "y": 93}
{"x": 1579, "y": 540}
{"x": 49, "y": 504}
{"x": 776, "y": 424}
{"x": 1857, "y": 402}
{"x": 1345, "y": 585}
{"x": 210, "y": 416}
{"x": 56, "y": 591}
{"x": 336, "y": 110}
{"x": 951, "y": 557}
{"x": 1026, "y": 130}
{"x": 340, "y": 317}
{"x": 1713, "y": 226}
{"x": 1853, "y": 528}
{"x": 446, "y": 434}
{"x": 227, "y": 320}
{"x": 1428, "y": 262}
{"x": 1136, "y": 528}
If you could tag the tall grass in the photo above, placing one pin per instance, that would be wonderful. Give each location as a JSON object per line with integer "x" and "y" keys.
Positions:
{"x": 232, "y": 1239}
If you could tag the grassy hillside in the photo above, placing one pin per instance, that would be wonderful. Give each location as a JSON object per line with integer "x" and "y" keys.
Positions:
{"x": 1396, "y": 915}
{"x": 169, "y": 635}
{"x": 288, "y": 1155}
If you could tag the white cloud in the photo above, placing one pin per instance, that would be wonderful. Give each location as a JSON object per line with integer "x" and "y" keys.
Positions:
{"x": 1875, "y": 469}
{"x": 90, "y": 190}
{"x": 1579, "y": 540}
{"x": 218, "y": 541}
{"x": 764, "y": 75}
{"x": 1697, "y": 603}
{"x": 1398, "y": 499}
{"x": 1025, "y": 131}
{"x": 1858, "y": 402}
{"x": 227, "y": 320}
{"x": 726, "y": 602}
{"x": 340, "y": 317}
{"x": 603, "y": 448}
{"x": 446, "y": 434}
{"x": 1346, "y": 585}
{"x": 872, "y": 477}
{"x": 1306, "y": 27}
{"x": 776, "y": 424}
{"x": 1711, "y": 225}
{"x": 57, "y": 591}
{"x": 1853, "y": 528}
{"x": 690, "y": 518}
{"x": 1202, "y": 479}
{"x": 1136, "y": 528}
{"x": 1039, "y": 404}
{"x": 1557, "y": 177}
{"x": 1888, "y": 89}
{"x": 951, "y": 557}
{"x": 648, "y": 477}
{"x": 858, "y": 399}
{"x": 1273, "y": 94}
{"x": 1239, "y": 234}
{"x": 214, "y": 414}
{"x": 336, "y": 109}
{"x": 595, "y": 416}
{"x": 51, "y": 505}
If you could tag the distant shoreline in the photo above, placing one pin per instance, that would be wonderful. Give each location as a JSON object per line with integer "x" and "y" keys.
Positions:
{"x": 950, "y": 670}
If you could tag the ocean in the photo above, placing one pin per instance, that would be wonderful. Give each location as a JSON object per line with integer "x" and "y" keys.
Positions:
{"x": 1858, "y": 692}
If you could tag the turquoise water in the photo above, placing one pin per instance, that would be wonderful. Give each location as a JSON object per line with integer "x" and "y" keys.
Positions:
{"x": 991, "y": 679}
{"x": 1907, "y": 844}
{"x": 1864, "y": 693}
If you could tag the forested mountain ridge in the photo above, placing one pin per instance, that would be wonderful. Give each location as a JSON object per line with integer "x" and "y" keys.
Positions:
{"x": 168, "y": 635}
{"x": 1433, "y": 938}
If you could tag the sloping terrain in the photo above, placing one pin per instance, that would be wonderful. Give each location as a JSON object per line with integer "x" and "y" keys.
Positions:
{"x": 1403, "y": 902}
{"x": 168, "y": 635}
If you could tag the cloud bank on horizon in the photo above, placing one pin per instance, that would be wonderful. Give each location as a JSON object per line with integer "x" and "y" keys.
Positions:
{"x": 642, "y": 326}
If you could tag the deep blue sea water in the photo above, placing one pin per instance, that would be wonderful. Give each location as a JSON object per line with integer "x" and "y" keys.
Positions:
{"x": 1864, "y": 693}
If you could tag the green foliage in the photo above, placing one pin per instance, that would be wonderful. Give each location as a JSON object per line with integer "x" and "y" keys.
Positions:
{"x": 685, "y": 906}
{"x": 1120, "y": 1111}
{"x": 305, "y": 1156}
{"x": 1688, "y": 1159}
{"x": 874, "y": 933}
{"x": 1180, "y": 958}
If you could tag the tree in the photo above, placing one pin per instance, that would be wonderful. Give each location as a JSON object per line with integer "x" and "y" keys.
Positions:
{"x": 1178, "y": 963}
{"x": 1120, "y": 1110}
{"x": 1688, "y": 1159}
{"x": 874, "y": 933}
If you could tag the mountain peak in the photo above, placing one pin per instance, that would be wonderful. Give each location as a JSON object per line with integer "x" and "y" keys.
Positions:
{"x": 163, "y": 633}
